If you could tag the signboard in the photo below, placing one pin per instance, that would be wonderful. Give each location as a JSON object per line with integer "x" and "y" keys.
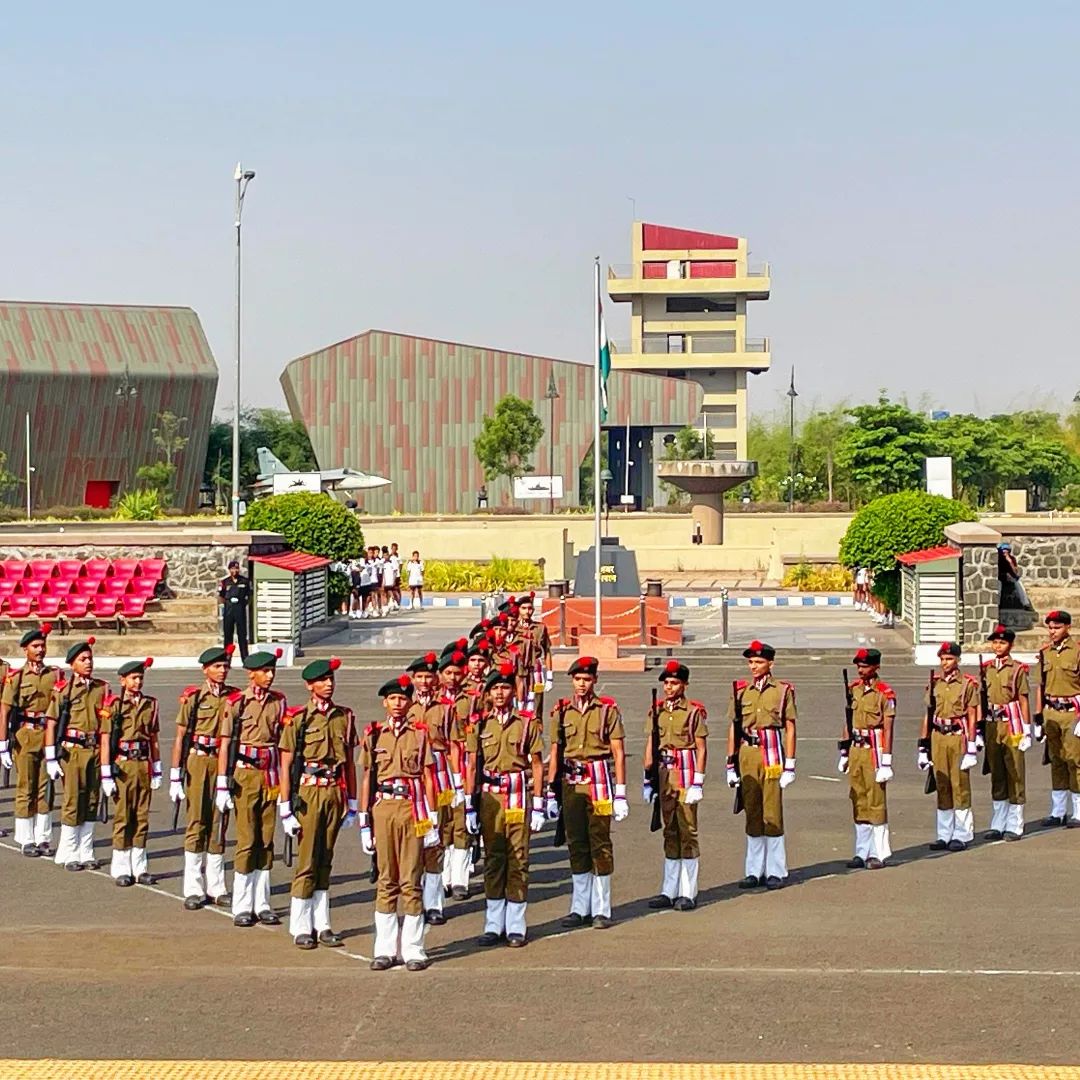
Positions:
{"x": 285, "y": 483}
{"x": 538, "y": 487}
{"x": 939, "y": 479}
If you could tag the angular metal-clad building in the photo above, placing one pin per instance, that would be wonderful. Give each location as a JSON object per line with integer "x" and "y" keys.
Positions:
{"x": 409, "y": 408}
{"x": 94, "y": 379}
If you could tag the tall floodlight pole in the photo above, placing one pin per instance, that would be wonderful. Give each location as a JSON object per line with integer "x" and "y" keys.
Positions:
{"x": 552, "y": 395}
{"x": 792, "y": 395}
{"x": 242, "y": 177}
{"x": 596, "y": 441}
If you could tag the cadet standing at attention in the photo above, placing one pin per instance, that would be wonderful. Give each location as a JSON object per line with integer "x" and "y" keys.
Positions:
{"x": 1008, "y": 736}
{"x": 1057, "y": 706}
{"x": 455, "y": 838}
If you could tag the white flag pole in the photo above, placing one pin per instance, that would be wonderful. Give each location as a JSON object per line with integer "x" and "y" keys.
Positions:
{"x": 596, "y": 439}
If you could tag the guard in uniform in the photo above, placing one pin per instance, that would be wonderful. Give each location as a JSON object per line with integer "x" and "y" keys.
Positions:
{"x": 866, "y": 758}
{"x": 399, "y": 821}
{"x": 508, "y": 744}
{"x": 72, "y": 747}
{"x": 587, "y": 740}
{"x": 505, "y": 651}
{"x": 536, "y": 647}
{"x": 323, "y": 734}
{"x": 455, "y": 837}
{"x": 683, "y": 728}
{"x": 948, "y": 747}
{"x": 255, "y": 717}
{"x": 130, "y": 770}
{"x": 761, "y": 760}
{"x": 1057, "y": 708}
{"x": 26, "y": 696}
{"x": 1008, "y": 736}
{"x": 193, "y": 776}
{"x": 235, "y": 595}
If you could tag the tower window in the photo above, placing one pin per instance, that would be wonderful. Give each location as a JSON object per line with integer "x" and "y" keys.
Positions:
{"x": 697, "y": 304}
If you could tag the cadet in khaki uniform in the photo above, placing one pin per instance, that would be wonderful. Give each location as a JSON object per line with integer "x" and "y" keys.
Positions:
{"x": 506, "y": 745}
{"x": 587, "y": 745}
{"x": 402, "y": 820}
{"x": 25, "y": 700}
{"x": 948, "y": 747}
{"x": 866, "y": 758}
{"x": 130, "y": 770}
{"x": 455, "y": 838}
{"x": 255, "y": 717}
{"x": 1057, "y": 706}
{"x": 761, "y": 759}
{"x": 193, "y": 776}
{"x": 683, "y": 729}
{"x": 72, "y": 742}
{"x": 1008, "y": 736}
{"x": 323, "y": 734}
{"x": 506, "y": 651}
{"x": 477, "y": 662}
{"x": 535, "y": 642}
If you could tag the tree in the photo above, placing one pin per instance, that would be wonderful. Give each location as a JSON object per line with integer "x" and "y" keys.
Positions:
{"x": 687, "y": 445}
{"x": 315, "y": 523}
{"x": 158, "y": 476}
{"x": 167, "y": 435}
{"x": 508, "y": 438}
{"x": 885, "y": 448}
{"x": 8, "y": 480}
{"x": 819, "y": 436}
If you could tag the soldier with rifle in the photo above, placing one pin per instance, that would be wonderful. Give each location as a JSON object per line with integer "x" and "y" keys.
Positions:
{"x": 674, "y": 761}
{"x": 1007, "y": 716}
{"x": 586, "y": 789}
{"x": 866, "y": 758}
{"x": 947, "y": 748}
{"x": 247, "y": 785}
{"x": 130, "y": 770}
{"x": 193, "y": 775}
{"x": 23, "y": 704}
{"x": 535, "y": 642}
{"x": 318, "y": 798}
{"x": 72, "y": 748}
{"x": 396, "y": 757}
{"x": 761, "y": 763}
{"x": 455, "y": 838}
{"x": 506, "y": 650}
{"x": 1057, "y": 712}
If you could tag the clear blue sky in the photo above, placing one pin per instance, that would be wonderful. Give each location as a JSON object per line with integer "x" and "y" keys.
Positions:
{"x": 910, "y": 171}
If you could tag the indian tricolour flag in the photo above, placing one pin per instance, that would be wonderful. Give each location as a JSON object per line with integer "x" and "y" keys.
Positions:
{"x": 603, "y": 359}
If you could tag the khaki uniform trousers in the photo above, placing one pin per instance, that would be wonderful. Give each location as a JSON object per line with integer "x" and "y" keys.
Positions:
{"x": 588, "y": 834}
{"x": 1064, "y": 749}
{"x": 320, "y": 811}
{"x": 255, "y": 815}
{"x": 506, "y": 852}
{"x": 82, "y": 786}
{"x": 867, "y": 795}
{"x": 401, "y": 863}
{"x": 31, "y": 780}
{"x": 456, "y": 833}
{"x": 680, "y": 821}
{"x": 433, "y": 856}
{"x": 131, "y": 823}
{"x": 763, "y": 801}
{"x": 1006, "y": 765}
{"x": 203, "y": 832}
{"x": 953, "y": 785}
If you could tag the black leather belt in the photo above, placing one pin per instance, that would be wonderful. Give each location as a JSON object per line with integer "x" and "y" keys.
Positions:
{"x": 397, "y": 788}
{"x": 948, "y": 729}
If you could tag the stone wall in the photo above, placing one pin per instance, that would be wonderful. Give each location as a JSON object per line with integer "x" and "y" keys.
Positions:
{"x": 979, "y": 589}
{"x": 1046, "y": 561}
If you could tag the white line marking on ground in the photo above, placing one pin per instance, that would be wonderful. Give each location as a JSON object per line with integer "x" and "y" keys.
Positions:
{"x": 828, "y": 779}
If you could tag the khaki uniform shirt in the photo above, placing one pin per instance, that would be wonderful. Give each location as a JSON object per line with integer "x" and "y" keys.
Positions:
{"x": 953, "y": 696}
{"x": 397, "y": 752}
{"x": 461, "y": 708}
{"x": 1061, "y": 663}
{"x": 87, "y": 699}
{"x": 207, "y": 719}
{"x": 329, "y": 737}
{"x": 138, "y": 719}
{"x": 256, "y": 721}
{"x": 871, "y": 704}
{"x": 587, "y": 732}
{"x": 681, "y": 723}
{"x": 30, "y": 691}
{"x": 769, "y": 705}
{"x": 436, "y": 717}
{"x": 1006, "y": 683}
{"x": 507, "y": 743}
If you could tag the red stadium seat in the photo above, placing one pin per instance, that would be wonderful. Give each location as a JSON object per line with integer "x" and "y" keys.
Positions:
{"x": 48, "y": 606}
{"x": 97, "y": 569}
{"x": 75, "y": 606}
{"x": 133, "y": 607}
{"x": 42, "y": 569}
{"x": 144, "y": 587}
{"x": 115, "y": 586}
{"x": 14, "y": 569}
{"x": 104, "y": 607}
{"x": 87, "y": 586}
{"x": 69, "y": 569}
{"x": 31, "y": 586}
{"x": 58, "y": 587}
{"x": 18, "y": 605}
{"x": 125, "y": 568}
{"x": 7, "y": 587}
{"x": 152, "y": 568}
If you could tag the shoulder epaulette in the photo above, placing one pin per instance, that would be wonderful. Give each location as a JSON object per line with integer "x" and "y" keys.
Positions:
{"x": 699, "y": 705}
{"x": 784, "y": 682}
{"x": 275, "y": 695}
{"x": 607, "y": 701}
{"x": 189, "y": 691}
{"x": 986, "y": 663}
{"x": 970, "y": 678}
{"x": 1022, "y": 666}
{"x": 883, "y": 687}
{"x": 420, "y": 726}
{"x": 527, "y": 714}
{"x": 372, "y": 729}
{"x": 741, "y": 684}
{"x": 235, "y": 696}
{"x": 59, "y": 683}
{"x": 9, "y": 677}
{"x": 294, "y": 710}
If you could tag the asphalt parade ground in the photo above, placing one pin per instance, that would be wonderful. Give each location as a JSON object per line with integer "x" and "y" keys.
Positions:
{"x": 962, "y": 958}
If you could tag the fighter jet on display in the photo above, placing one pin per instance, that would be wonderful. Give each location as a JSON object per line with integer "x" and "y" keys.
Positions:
{"x": 275, "y": 479}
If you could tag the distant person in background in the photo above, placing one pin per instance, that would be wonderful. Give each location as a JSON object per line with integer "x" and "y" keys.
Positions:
{"x": 356, "y": 582}
{"x": 1012, "y": 592}
{"x": 235, "y": 596}
{"x": 858, "y": 588}
{"x": 395, "y": 559}
{"x": 415, "y": 571}
{"x": 388, "y": 578}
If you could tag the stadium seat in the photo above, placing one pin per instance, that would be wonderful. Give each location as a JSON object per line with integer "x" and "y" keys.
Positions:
{"x": 18, "y": 605}
{"x": 115, "y": 586}
{"x": 58, "y": 587}
{"x": 14, "y": 569}
{"x": 144, "y": 587}
{"x": 47, "y": 606}
{"x": 104, "y": 607}
{"x": 152, "y": 568}
{"x": 133, "y": 607}
{"x": 75, "y": 605}
{"x": 31, "y": 586}
{"x": 96, "y": 569}
{"x": 69, "y": 569}
{"x": 7, "y": 587}
{"x": 125, "y": 568}
{"x": 42, "y": 569}
{"x": 87, "y": 586}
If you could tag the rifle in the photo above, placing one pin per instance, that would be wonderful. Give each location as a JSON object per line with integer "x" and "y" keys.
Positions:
{"x": 14, "y": 723}
{"x": 116, "y": 721}
{"x": 185, "y": 749}
{"x": 654, "y": 771}
{"x": 476, "y": 795}
{"x": 736, "y": 724}
{"x": 931, "y": 780}
{"x": 296, "y": 770}
{"x": 230, "y": 771}
{"x": 373, "y": 786}
{"x": 849, "y": 715}
{"x": 984, "y": 712}
{"x": 1039, "y": 715}
{"x": 63, "y": 715}
{"x": 560, "y": 749}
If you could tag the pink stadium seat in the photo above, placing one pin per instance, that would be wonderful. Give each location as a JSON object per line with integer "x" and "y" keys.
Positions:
{"x": 69, "y": 569}
{"x": 152, "y": 568}
{"x": 14, "y": 569}
{"x": 7, "y": 587}
{"x": 125, "y": 568}
{"x": 104, "y": 607}
{"x": 97, "y": 569}
{"x": 144, "y": 587}
{"x": 18, "y": 605}
{"x": 58, "y": 587}
{"x": 42, "y": 569}
{"x": 31, "y": 586}
{"x": 87, "y": 586}
{"x": 133, "y": 607}
{"x": 75, "y": 606}
{"x": 47, "y": 606}
{"x": 115, "y": 586}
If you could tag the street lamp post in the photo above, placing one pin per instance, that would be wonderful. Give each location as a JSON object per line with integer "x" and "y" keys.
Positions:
{"x": 125, "y": 392}
{"x": 552, "y": 395}
{"x": 792, "y": 395}
{"x": 605, "y": 478}
{"x": 242, "y": 177}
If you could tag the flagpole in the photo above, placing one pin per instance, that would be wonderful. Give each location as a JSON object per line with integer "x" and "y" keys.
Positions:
{"x": 596, "y": 440}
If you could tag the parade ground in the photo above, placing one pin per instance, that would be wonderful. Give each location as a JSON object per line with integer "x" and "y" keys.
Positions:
{"x": 963, "y": 958}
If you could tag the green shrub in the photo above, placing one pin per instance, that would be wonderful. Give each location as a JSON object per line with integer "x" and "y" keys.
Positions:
{"x": 809, "y": 578}
{"x": 315, "y": 523}
{"x": 337, "y": 591}
{"x": 507, "y": 575}
{"x": 142, "y": 505}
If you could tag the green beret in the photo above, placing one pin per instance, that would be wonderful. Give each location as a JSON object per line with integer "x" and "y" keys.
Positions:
{"x": 760, "y": 650}
{"x": 503, "y": 675}
{"x": 39, "y": 633}
{"x": 479, "y": 648}
{"x": 134, "y": 667}
{"x": 265, "y": 659}
{"x": 319, "y": 669}
{"x": 401, "y": 685}
{"x": 78, "y": 649}
{"x": 674, "y": 670}
{"x": 481, "y": 628}
{"x": 429, "y": 662}
{"x": 455, "y": 646}
{"x": 216, "y": 654}
{"x": 584, "y": 665}
{"x": 455, "y": 659}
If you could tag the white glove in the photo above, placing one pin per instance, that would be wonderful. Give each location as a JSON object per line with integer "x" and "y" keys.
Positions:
{"x": 695, "y": 792}
{"x": 5, "y": 755}
{"x": 551, "y": 808}
{"x": 459, "y": 791}
{"x": 1076, "y": 728}
{"x": 536, "y": 821}
{"x": 549, "y": 681}
{"x": 176, "y": 786}
{"x": 842, "y": 764}
{"x": 108, "y": 784}
{"x": 787, "y": 777}
{"x": 155, "y": 775}
{"x": 1040, "y": 734}
{"x": 1024, "y": 745}
{"x": 883, "y": 774}
{"x": 979, "y": 743}
{"x": 222, "y": 798}
{"x": 367, "y": 844}
{"x": 472, "y": 822}
{"x": 969, "y": 760}
{"x": 732, "y": 777}
{"x": 52, "y": 766}
{"x": 646, "y": 792}
{"x": 431, "y": 837}
{"x": 289, "y": 821}
{"x": 923, "y": 760}
{"x": 349, "y": 820}
{"x": 620, "y": 806}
